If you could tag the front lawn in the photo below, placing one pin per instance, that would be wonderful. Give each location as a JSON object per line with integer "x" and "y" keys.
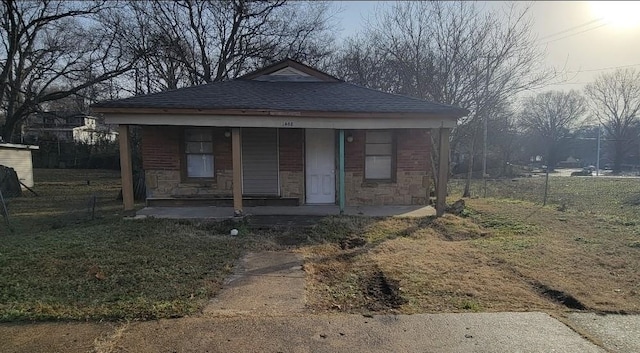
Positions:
{"x": 63, "y": 260}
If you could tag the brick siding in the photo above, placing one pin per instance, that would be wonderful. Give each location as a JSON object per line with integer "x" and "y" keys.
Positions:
{"x": 291, "y": 150}
{"x": 412, "y": 165}
{"x": 161, "y": 147}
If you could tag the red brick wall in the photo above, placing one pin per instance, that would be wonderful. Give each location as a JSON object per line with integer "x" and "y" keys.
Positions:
{"x": 223, "y": 158}
{"x": 412, "y": 150}
{"x": 291, "y": 150}
{"x": 161, "y": 147}
{"x": 354, "y": 151}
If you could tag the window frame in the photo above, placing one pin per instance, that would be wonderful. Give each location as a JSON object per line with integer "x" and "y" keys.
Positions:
{"x": 393, "y": 155}
{"x": 184, "y": 159}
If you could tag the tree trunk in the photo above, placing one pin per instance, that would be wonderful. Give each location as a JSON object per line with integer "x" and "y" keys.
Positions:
{"x": 467, "y": 184}
{"x": 618, "y": 156}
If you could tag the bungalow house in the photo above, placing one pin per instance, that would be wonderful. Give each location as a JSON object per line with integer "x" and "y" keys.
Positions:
{"x": 285, "y": 134}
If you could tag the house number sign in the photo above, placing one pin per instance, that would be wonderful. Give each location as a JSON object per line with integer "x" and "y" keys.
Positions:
{"x": 287, "y": 123}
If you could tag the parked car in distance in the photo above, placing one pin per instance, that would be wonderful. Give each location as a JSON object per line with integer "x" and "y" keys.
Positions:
{"x": 584, "y": 172}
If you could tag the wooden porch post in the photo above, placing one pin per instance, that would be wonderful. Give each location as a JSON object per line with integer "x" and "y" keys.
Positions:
{"x": 443, "y": 172}
{"x": 126, "y": 171}
{"x": 341, "y": 191}
{"x": 237, "y": 171}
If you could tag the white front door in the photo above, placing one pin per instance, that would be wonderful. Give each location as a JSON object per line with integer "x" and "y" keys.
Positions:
{"x": 320, "y": 166}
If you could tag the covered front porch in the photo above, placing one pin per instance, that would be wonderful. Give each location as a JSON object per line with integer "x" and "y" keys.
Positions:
{"x": 336, "y": 203}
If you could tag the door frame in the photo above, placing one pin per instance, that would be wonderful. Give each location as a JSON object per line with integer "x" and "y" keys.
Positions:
{"x": 333, "y": 159}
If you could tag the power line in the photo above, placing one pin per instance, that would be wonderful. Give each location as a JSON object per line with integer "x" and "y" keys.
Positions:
{"x": 575, "y": 34}
{"x": 571, "y": 28}
{"x": 604, "y": 68}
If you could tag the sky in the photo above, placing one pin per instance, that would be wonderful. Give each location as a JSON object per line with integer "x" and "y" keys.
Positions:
{"x": 581, "y": 38}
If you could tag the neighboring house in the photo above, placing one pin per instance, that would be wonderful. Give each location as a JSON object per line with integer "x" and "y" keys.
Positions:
{"x": 53, "y": 124}
{"x": 570, "y": 162}
{"x": 65, "y": 126}
{"x": 19, "y": 158}
{"x": 92, "y": 132}
{"x": 286, "y": 134}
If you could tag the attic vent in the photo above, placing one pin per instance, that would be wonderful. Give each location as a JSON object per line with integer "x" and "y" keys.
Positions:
{"x": 288, "y": 71}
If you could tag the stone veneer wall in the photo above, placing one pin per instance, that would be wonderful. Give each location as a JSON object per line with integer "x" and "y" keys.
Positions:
{"x": 412, "y": 165}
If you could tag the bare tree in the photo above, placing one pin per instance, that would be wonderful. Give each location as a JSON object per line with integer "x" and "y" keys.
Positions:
{"x": 506, "y": 138}
{"x": 551, "y": 115}
{"x": 52, "y": 50}
{"x": 202, "y": 41}
{"x": 615, "y": 102}
{"x": 450, "y": 52}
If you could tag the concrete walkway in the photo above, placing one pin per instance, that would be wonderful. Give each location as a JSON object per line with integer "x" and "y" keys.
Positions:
{"x": 265, "y": 283}
{"x": 261, "y": 309}
{"x": 450, "y": 333}
{"x": 617, "y": 333}
{"x": 211, "y": 212}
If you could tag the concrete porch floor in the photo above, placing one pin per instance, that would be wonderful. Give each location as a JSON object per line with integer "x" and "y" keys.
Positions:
{"x": 212, "y": 212}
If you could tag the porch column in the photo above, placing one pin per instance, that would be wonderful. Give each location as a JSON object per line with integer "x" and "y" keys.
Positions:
{"x": 237, "y": 171}
{"x": 341, "y": 192}
{"x": 126, "y": 171}
{"x": 443, "y": 172}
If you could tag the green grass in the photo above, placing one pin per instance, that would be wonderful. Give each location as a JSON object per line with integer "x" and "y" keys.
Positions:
{"x": 122, "y": 269}
{"x": 59, "y": 263}
{"x": 610, "y": 197}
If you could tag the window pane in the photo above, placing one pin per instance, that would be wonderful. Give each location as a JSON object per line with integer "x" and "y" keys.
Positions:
{"x": 199, "y": 147}
{"x": 200, "y": 166}
{"x": 198, "y": 135}
{"x": 377, "y": 167}
{"x": 378, "y": 149}
{"x": 375, "y": 136}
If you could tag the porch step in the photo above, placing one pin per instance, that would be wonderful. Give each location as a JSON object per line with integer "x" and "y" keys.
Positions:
{"x": 221, "y": 201}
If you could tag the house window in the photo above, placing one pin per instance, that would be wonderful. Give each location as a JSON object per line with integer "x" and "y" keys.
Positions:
{"x": 378, "y": 155}
{"x": 199, "y": 153}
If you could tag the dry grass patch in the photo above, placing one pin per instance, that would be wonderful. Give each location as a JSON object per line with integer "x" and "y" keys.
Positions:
{"x": 503, "y": 256}
{"x": 416, "y": 269}
{"x": 585, "y": 256}
{"x": 454, "y": 228}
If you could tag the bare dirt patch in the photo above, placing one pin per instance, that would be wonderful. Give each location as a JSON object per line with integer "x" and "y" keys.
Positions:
{"x": 383, "y": 293}
{"x": 561, "y": 297}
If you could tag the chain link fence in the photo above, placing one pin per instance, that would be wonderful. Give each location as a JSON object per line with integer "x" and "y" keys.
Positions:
{"x": 617, "y": 196}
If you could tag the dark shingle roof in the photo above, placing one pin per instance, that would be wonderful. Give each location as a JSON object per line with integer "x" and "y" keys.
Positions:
{"x": 289, "y": 95}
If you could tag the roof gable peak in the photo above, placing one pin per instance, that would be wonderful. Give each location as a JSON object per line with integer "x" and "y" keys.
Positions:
{"x": 289, "y": 70}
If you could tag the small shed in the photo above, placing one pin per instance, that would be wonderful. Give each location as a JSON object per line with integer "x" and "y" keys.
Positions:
{"x": 19, "y": 158}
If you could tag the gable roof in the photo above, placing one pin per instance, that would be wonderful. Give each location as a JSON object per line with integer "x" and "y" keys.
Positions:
{"x": 290, "y": 63}
{"x": 273, "y": 89}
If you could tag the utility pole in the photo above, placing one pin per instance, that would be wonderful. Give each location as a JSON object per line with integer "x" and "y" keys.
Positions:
{"x": 485, "y": 129}
{"x": 598, "y": 152}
